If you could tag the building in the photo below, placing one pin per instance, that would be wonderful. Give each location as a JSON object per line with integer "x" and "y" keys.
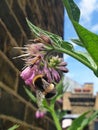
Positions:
{"x": 79, "y": 101}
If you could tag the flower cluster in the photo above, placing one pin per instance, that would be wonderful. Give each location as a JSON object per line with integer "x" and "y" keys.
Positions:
{"x": 38, "y": 60}
{"x": 42, "y": 70}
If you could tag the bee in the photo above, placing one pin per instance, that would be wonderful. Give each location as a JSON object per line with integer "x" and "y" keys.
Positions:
{"x": 47, "y": 89}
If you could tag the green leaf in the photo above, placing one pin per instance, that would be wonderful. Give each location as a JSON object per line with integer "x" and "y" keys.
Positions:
{"x": 87, "y": 58}
{"x": 78, "y": 42}
{"x": 89, "y": 40}
{"x": 45, "y": 104}
{"x": 77, "y": 122}
{"x": 72, "y": 10}
{"x": 37, "y": 31}
{"x": 29, "y": 93}
{"x": 80, "y": 56}
{"x": 92, "y": 116}
{"x": 64, "y": 47}
{"x": 60, "y": 86}
{"x": 14, "y": 127}
{"x": 60, "y": 113}
{"x": 59, "y": 89}
{"x": 81, "y": 122}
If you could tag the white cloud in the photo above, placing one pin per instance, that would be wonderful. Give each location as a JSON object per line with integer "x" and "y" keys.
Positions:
{"x": 87, "y": 8}
{"x": 94, "y": 28}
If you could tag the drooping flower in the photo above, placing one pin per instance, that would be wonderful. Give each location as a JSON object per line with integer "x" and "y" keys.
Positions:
{"x": 56, "y": 66}
{"x": 55, "y": 75}
{"x": 40, "y": 61}
{"x": 42, "y": 70}
{"x": 39, "y": 114}
{"x": 47, "y": 72}
{"x": 26, "y": 73}
{"x": 58, "y": 63}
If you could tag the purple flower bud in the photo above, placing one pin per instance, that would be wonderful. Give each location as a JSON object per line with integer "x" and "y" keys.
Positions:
{"x": 62, "y": 63}
{"x": 55, "y": 75}
{"x": 42, "y": 114}
{"x": 62, "y": 68}
{"x": 39, "y": 114}
{"x": 26, "y": 73}
{"x": 46, "y": 39}
{"x": 47, "y": 73}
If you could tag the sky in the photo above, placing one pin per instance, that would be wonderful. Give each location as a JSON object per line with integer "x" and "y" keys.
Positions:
{"x": 89, "y": 19}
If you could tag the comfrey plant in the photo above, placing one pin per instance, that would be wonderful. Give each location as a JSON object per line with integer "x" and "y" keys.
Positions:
{"x": 39, "y": 63}
{"x": 43, "y": 71}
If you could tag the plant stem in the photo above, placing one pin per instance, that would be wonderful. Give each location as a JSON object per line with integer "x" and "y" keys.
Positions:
{"x": 76, "y": 57}
{"x": 56, "y": 119}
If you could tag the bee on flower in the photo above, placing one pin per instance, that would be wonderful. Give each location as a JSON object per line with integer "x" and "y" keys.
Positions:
{"x": 42, "y": 70}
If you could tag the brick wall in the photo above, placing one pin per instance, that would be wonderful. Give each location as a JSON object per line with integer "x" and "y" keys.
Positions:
{"x": 15, "y": 106}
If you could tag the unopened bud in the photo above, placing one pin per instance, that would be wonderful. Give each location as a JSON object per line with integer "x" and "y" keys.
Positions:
{"x": 46, "y": 39}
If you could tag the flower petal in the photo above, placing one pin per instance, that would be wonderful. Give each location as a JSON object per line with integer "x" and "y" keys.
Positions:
{"x": 26, "y": 73}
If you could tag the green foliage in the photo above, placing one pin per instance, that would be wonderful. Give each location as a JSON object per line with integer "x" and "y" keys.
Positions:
{"x": 81, "y": 122}
{"x": 72, "y": 10}
{"x": 60, "y": 113}
{"x": 37, "y": 31}
{"x": 89, "y": 57}
{"x": 88, "y": 39}
{"x": 14, "y": 127}
{"x": 65, "y": 47}
{"x": 59, "y": 89}
{"x": 80, "y": 56}
{"x": 29, "y": 93}
{"x": 78, "y": 42}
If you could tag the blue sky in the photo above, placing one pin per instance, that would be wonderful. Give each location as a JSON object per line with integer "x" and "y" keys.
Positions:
{"x": 89, "y": 19}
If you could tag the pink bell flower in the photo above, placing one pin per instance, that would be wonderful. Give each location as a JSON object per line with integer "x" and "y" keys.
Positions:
{"x": 39, "y": 114}
{"x": 26, "y": 73}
